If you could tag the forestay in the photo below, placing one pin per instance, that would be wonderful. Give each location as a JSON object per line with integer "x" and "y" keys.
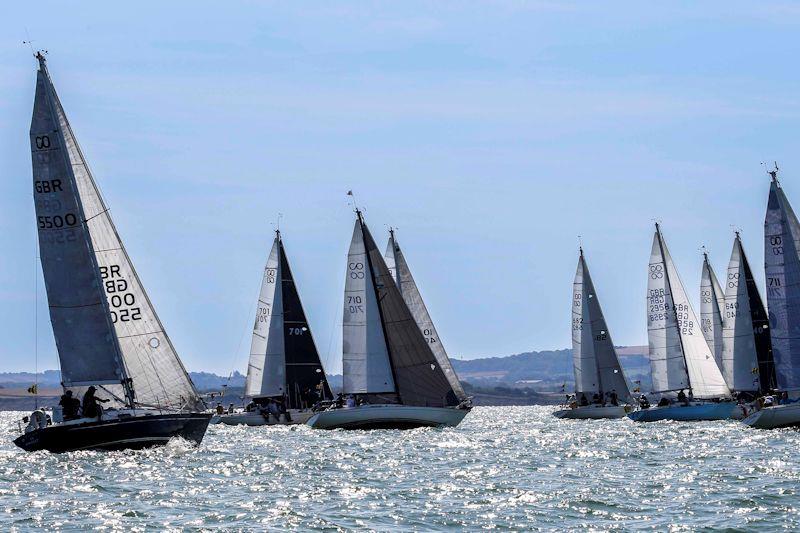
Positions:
{"x": 266, "y": 374}
{"x": 781, "y": 244}
{"x": 87, "y": 350}
{"x": 597, "y": 367}
{"x": 401, "y": 273}
{"x": 712, "y": 302}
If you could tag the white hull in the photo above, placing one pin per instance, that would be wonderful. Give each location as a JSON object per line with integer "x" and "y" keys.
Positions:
{"x": 593, "y": 412}
{"x": 387, "y": 416}
{"x": 778, "y": 416}
{"x": 255, "y": 418}
{"x": 688, "y": 413}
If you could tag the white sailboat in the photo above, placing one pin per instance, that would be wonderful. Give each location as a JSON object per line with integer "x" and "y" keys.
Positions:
{"x": 391, "y": 376}
{"x": 782, "y": 265}
{"x": 680, "y": 359}
{"x": 401, "y": 274}
{"x": 285, "y": 378}
{"x": 108, "y": 335}
{"x": 712, "y": 302}
{"x": 601, "y": 389}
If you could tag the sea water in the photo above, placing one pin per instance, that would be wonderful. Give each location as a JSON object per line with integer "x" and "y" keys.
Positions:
{"x": 503, "y": 467}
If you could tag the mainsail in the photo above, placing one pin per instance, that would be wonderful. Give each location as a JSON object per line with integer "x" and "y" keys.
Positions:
{"x": 782, "y": 265}
{"x": 283, "y": 357}
{"x": 401, "y": 274}
{"x": 747, "y": 355}
{"x": 596, "y": 365}
{"x": 106, "y": 330}
{"x": 679, "y": 355}
{"x": 712, "y": 302}
{"x": 384, "y": 350}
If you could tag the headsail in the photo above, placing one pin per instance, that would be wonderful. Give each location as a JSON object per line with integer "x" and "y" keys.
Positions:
{"x": 596, "y": 364}
{"x": 712, "y": 302}
{"x": 101, "y": 338}
{"x": 747, "y": 346}
{"x": 679, "y": 355}
{"x": 400, "y": 272}
{"x": 781, "y": 245}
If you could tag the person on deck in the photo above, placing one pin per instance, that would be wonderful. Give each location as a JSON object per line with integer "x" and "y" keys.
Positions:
{"x": 69, "y": 405}
{"x": 91, "y": 407}
{"x": 682, "y": 397}
{"x": 274, "y": 410}
{"x": 596, "y": 399}
{"x": 644, "y": 403}
{"x": 663, "y": 402}
{"x": 584, "y": 400}
{"x": 220, "y": 409}
{"x": 614, "y": 399}
{"x": 351, "y": 401}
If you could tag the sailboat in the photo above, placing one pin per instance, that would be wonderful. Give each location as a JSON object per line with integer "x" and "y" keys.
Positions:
{"x": 680, "y": 359}
{"x": 107, "y": 332}
{"x": 401, "y": 274}
{"x": 284, "y": 368}
{"x": 601, "y": 389}
{"x": 782, "y": 268}
{"x": 747, "y": 364}
{"x": 390, "y": 374}
{"x": 712, "y": 302}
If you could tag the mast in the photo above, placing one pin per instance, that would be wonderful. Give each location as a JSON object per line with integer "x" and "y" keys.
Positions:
{"x": 677, "y": 322}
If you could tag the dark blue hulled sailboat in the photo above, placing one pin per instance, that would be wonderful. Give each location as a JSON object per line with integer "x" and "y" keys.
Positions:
{"x": 107, "y": 332}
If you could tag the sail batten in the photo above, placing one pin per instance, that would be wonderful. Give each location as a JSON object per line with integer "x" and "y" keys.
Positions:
{"x": 400, "y": 272}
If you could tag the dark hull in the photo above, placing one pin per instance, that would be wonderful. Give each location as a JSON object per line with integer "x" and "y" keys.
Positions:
{"x": 125, "y": 434}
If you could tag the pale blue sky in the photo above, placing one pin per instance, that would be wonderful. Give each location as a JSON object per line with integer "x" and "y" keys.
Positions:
{"x": 491, "y": 134}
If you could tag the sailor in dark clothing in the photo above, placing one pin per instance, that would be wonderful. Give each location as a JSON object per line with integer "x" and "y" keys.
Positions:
{"x": 91, "y": 407}
{"x": 583, "y": 401}
{"x": 663, "y": 402}
{"x": 69, "y": 405}
{"x": 596, "y": 399}
{"x": 682, "y": 398}
{"x": 644, "y": 403}
{"x": 613, "y": 397}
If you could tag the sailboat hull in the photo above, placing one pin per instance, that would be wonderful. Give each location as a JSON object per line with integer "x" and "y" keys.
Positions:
{"x": 593, "y": 412}
{"x": 257, "y": 419}
{"x": 388, "y": 416}
{"x": 133, "y": 432}
{"x": 779, "y": 416}
{"x": 693, "y": 412}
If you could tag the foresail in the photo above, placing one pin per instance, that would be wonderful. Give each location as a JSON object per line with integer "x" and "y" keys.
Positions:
{"x": 87, "y": 347}
{"x": 401, "y": 273}
{"x": 419, "y": 377}
{"x": 584, "y": 364}
{"x": 739, "y": 361}
{"x": 365, "y": 358}
{"x": 781, "y": 245}
{"x": 303, "y": 366}
{"x": 705, "y": 376}
{"x": 150, "y": 360}
{"x": 667, "y": 364}
{"x": 712, "y": 302}
{"x": 612, "y": 377}
{"x": 266, "y": 375}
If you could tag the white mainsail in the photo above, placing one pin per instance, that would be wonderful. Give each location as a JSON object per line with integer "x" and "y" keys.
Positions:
{"x": 679, "y": 355}
{"x": 266, "y": 370}
{"x": 739, "y": 357}
{"x": 73, "y": 221}
{"x": 712, "y": 302}
{"x": 401, "y": 273}
{"x": 782, "y": 262}
{"x": 365, "y": 359}
{"x": 595, "y": 361}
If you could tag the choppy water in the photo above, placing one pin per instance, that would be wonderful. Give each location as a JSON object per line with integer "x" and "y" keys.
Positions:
{"x": 516, "y": 468}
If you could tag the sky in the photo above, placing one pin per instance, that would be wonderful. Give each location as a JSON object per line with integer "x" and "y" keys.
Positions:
{"x": 491, "y": 134}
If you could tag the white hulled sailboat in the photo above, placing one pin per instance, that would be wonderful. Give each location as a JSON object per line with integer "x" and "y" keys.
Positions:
{"x": 108, "y": 335}
{"x": 391, "y": 376}
{"x": 601, "y": 389}
{"x": 285, "y": 378}
{"x": 680, "y": 359}
{"x": 782, "y": 265}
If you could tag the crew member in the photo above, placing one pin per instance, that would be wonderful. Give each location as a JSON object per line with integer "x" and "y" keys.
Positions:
{"x": 91, "y": 407}
{"x": 69, "y": 405}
